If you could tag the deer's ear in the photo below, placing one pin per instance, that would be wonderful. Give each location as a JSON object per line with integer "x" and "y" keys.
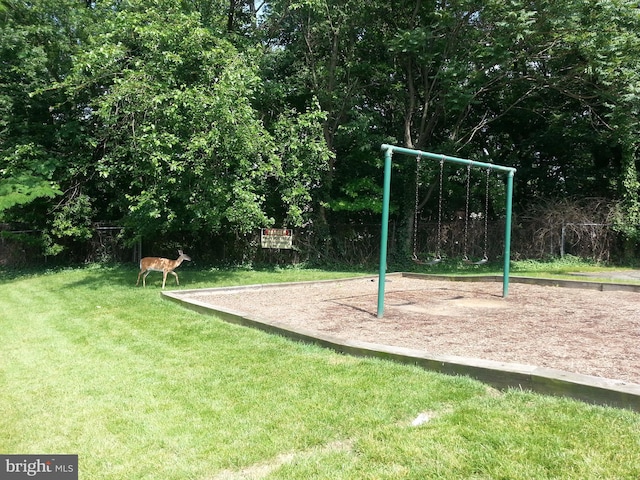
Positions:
{"x": 179, "y": 252}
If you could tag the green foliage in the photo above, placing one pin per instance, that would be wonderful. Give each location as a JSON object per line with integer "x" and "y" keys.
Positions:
{"x": 73, "y": 219}
{"x": 304, "y": 159}
{"x": 42, "y": 145}
{"x": 565, "y": 265}
{"x": 150, "y": 121}
{"x": 32, "y": 52}
{"x": 175, "y": 113}
{"x": 362, "y": 194}
{"x": 26, "y": 176}
{"x": 610, "y": 61}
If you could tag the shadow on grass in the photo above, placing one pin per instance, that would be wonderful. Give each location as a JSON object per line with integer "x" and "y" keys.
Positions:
{"x": 450, "y": 267}
{"x": 191, "y": 275}
{"x": 127, "y": 275}
{"x": 103, "y": 275}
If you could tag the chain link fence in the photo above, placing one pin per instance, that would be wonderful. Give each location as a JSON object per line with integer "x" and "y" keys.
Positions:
{"x": 550, "y": 229}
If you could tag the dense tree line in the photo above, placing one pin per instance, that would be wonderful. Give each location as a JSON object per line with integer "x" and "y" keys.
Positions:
{"x": 202, "y": 116}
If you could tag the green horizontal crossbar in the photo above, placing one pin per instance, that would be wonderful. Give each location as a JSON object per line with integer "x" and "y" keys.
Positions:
{"x": 447, "y": 158}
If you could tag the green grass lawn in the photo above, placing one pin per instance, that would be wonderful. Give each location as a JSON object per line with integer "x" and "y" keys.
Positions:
{"x": 139, "y": 387}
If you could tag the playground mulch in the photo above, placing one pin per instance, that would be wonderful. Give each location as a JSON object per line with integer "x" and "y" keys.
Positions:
{"x": 581, "y": 331}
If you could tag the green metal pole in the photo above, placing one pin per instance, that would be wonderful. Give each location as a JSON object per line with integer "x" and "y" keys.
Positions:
{"x": 384, "y": 234}
{"x": 507, "y": 236}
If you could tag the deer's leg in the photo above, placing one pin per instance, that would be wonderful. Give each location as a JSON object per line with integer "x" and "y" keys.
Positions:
{"x": 175, "y": 275}
{"x": 164, "y": 278}
{"x": 139, "y": 274}
{"x": 144, "y": 278}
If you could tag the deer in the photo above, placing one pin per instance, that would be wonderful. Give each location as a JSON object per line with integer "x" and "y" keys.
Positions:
{"x": 158, "y": 264}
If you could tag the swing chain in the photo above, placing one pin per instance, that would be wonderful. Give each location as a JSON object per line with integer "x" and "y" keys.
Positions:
{"x": 486, "y": 214}
{"x": 437, "y": 257}
{"x": 466, "y": 213}
{"x": 415, "y": 216}
{"x": 440, "y": 210}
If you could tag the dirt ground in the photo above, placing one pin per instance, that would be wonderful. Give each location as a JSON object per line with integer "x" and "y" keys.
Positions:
{"x": 581, "y": 331}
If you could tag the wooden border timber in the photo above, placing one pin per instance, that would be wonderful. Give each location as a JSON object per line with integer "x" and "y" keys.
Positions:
{"x": 547, "y": 282}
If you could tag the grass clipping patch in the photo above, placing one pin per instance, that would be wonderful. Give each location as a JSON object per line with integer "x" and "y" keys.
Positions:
{"x": 264, "y": 469}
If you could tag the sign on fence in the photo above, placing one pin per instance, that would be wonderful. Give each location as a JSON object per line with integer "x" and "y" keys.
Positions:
{"x": 276, "y": 238}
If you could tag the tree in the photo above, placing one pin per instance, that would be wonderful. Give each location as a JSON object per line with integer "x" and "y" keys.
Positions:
{"x": 330, "y": 51}
{"x": 576, "y": 132}
{"x": 144, "y": 114}
{"x": 37, "y": 144}
{"x": 611, "y": 61}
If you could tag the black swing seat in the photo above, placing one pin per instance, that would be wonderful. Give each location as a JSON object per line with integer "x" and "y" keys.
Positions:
{"x": 482, "y": 261}
{"x": 434, "y": 261}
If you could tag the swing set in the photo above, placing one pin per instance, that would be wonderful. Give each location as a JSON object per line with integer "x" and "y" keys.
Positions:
{"x": 437, "y": 258}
